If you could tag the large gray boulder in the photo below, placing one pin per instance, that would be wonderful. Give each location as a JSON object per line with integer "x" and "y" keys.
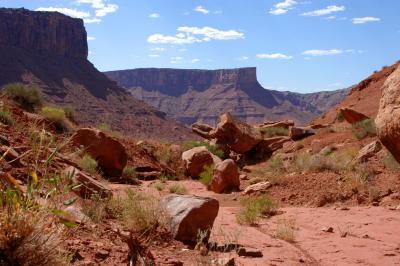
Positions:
{"x": 190, "y": 215}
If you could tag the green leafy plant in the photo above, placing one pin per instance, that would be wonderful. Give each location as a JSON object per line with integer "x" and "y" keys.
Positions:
{"x": 252, "y": 209}
{"x": 27, "y": 97}
{"x": 129, "y": 171}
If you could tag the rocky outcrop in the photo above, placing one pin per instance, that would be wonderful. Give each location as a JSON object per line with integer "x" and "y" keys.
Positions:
{"x": 388, "y": 118}
{"x": 368, "y": 151}
{"x": 43, "y": 32}
{"x": 49, "y": 50}
{"x": 196, "y": 159}
{"x": 352, "y": 116}
{"x": 260, "y": 187}
{"x": 191, "y": 215}
{"x": 225, "y": 177}
{"x": 108, "y": 152}
{"x": 192, "y": 95}
{"x": 281, "y": 124}
{"x": 297, "y": 133}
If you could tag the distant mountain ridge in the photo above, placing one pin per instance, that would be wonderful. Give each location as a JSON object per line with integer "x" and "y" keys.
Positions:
{"x": 193, "y": 95}
{"x": 50, "y": 50}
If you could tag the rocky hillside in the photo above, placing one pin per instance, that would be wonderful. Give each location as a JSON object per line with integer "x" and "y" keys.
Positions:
{"x": 364, "y": 97}
{"x": 50, "y": 50}
{"x": 201, "y": 95}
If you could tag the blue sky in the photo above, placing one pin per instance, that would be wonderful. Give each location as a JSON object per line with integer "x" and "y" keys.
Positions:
{"x": 297, "y": 45}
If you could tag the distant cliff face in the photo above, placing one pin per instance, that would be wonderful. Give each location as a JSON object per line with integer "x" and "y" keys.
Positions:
{"x": 202, "y": 95}
{"x": 43, "y": 32}
{"x": 50, "y": 50}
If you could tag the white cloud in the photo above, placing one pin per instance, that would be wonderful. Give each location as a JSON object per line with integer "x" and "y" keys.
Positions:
{"x": 326, "y": 11}
{"x": 101, "y": 8}
{"x": 323, "y": 52}
{"x": 286, "y": 4}
{"x": 91, "y": 20}
{"x": 274, "y": 56}
{"x": 189, "y": 35}
{"x": 242, "y": 58}
{"x": 154, "y": 55}
{"x": 90, "y": 38}
{"x": 183, "y": 50}
{"x": 364, "y": 20}
{"x": 154, "y": 15}
{"x": 282, "y": 7}
{"x": 195, "y": 60}
{"x": 278, "y": 11}
{"x": 201, "y": 9}
{"x": 176, "y": 60}
{"x": 66, "y": 11}
{"x": 157, "y": 49}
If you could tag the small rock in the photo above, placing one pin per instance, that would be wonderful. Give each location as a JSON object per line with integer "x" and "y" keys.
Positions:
{"x": 327, "y": 229}
{"x": 343, "y": 234}
{"x": 246, "y": 252}
{"x": 259, "y": 187}
{"x": 243, "y": 177}
{"x": 398, "y": 208}
{"x": 224, "y": 262}
{"x": 375, "y": 203}
{"x": 344, "y": 208}
{"x": 102, "y": 254}
{"x": 225, "y": 177}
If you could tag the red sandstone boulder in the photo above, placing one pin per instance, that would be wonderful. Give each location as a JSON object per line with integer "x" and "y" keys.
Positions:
{"x": 238, "y": 136}
{"x": 297, "y": 133}
{"x": 225, "y": 177}
{"x": 388, "y": 118}
{"x": 352, "y": 116}
{"x": 196, "y": 159}
{"x": 108, "y": 152}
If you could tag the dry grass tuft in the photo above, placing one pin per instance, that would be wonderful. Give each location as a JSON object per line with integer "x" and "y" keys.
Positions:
{"x": 253, "y": 209}
{"x": 286, "y": 230}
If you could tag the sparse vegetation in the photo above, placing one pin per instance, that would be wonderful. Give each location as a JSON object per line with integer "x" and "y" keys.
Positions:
{"x": 95, "y": 208}
{"x": 104, "y": 127}
{"x": 252, "y": 209}
{"x": 129, "y": 171}
{"x": 57, "y": 117}
{"x": 364, "y": 129}
{"x": 275, "y": 132}
{"x": 374, "y": 194}
{"x": 160, "y": 186}
{"x": 207, "y": 175}
{"x": 89, "y": 164}
{"x": 178, "y": 189}
{"x": 69, "y": 112}
{"x": 27, "y": 97}
{"x": 211, "y": 148}
{"x": 138, "y": 213}
{"x": 286, "y": 230}
{"x": 6, "y": 117}
{"x": 390, "y": 162}
{"x": 339, "y": 117}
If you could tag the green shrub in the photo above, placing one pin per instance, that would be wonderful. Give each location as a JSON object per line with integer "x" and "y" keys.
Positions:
{"x": 211, "y": 148}
{"x": 207, "y": 175}
{"x": 129, "y": 171}
{"x": 285, "y": 230}
{"x": 104, "y": 127}
{"x": 275, "y": 131}
{"x": 364, "y": 129}
{"x": 69, "y": 112}
{"x": 178, "y": 189}
{"x": 374, "y": 194}
{"x": 27, "y": 97}
{"x": 252, "y": 209}
{"x": 89, "y": 164}
{"x": 6, "y": 117}
{"x": 57, "y": 117}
